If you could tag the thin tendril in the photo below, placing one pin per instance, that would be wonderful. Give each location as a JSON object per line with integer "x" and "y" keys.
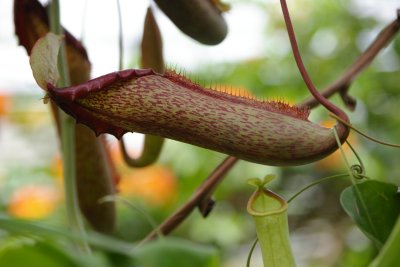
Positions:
{"x": 251, "y": 252}
{"x": 344, "y": 156}
{"x": 353, "y": 180}
{"x": 358, "y": 170}
{"x": 363, "y": 134}
{"x": 315, "y": 183}
{"x": 149, "y": 219}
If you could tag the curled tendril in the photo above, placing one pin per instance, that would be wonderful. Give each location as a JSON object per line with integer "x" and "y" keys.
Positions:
{"x": 358, "y": 171}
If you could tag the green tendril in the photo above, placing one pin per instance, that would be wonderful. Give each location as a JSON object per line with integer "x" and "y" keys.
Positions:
{"x": 353, "y": 179}
{"x": 362, "y": 171}
{"x": 315, "y": 183}
{"x": 357, "y": 171}
{"x": 148, "y": 218}
{"x": 253, "y": 246}
{"x": 346, "y": 162}
{"x": 362, "y": 133}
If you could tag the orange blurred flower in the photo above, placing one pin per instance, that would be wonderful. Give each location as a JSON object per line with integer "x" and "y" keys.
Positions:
{"x": 34, "y": 201}
{"x": 155, "y": 184}
{"x": 5, "y": 104}
{"x": 57, "y": 167}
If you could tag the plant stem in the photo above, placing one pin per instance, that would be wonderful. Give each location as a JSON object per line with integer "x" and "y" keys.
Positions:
{"x": 343, "y": 82}
{"x": 253, "y": 246}
{"x": 202, "y": 192}
{"x": 303, "y": 71}
{"x": 150, "y": 220}
{"x": 68, "y": 138}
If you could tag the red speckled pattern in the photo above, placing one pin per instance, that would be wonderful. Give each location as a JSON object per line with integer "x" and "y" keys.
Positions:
{"x": 150, "y": 103}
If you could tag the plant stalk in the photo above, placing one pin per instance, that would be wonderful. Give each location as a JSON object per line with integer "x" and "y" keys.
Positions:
{"x": 68, "y": 138}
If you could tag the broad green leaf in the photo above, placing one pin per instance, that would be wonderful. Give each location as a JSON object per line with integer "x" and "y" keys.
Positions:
{"x": 374, "y": 206}
{"x": 172, "y": 252}
{"x": 23, "y": 227}
{"x": 18, "y": 251}
{"x": 389, "y": 255}
{"x": 28, "y": 252}
{"x": 43, "y": 60}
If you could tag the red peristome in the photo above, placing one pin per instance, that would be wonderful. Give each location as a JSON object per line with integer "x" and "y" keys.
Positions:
{"x": 273, "y": 106}
{"x": 81, "y": 90}
{"x": 84, "y": 116}
{"x": 65, "y": 97}
{"x": 96, "y": 84}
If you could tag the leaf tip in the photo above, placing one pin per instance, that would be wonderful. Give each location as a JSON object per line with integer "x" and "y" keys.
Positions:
{"x": 43, "y": 60}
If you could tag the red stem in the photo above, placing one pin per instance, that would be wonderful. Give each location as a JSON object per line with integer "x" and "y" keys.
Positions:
{"x": 344, "y": 81}
{"x": 297, "y": 56}
{"x": 202, "y": 192}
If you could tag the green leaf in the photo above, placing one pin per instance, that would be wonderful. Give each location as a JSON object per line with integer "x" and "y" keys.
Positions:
{"x": 257, "y": 182}
{"x": 374, "y": 206}
{"x": 16, "y": 251}
{"x": 25, "y": 252}
{"x": 44, "y": 59}
{"x": 389, "y": 255}
{"x": 24, "y": 227}
{"x": 172, "y": 252}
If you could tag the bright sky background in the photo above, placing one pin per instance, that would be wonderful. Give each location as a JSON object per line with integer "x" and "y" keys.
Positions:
{"x": 99, "y": 29}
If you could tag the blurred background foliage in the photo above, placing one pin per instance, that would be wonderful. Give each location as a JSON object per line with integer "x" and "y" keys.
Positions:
{"x": 331, "y": 35}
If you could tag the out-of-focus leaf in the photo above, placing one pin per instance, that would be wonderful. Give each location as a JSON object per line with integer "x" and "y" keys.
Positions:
{"x": 389, "y": 256}
{"x": 172, "y": 252}
{"x": 23, "y": 227}
{"x": 374, "y": 206}
{"x": 44, "y": 60}
{"x": 23, "y": 251}
{"x": 152, "y": 46}
{"x": 27, "y": 252}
